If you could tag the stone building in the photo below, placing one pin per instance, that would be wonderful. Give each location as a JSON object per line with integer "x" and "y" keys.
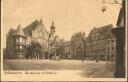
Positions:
{"x": 111, "y": 47}
{"x": 61, "y": 49}
{"x": 101, "y": 43}
{"x": 19, "y": 43}
{"x": 15, "y": 43}
{"x": 36, "y": 32}
{"x": 78, "y": 46}
{"x": 67, "y": 50}
{"x": 9, "y": 44}
{"x": 33, "y": 33}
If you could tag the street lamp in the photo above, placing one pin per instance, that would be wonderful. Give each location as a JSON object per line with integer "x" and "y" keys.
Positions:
{"x": 104, "y": 7}
{"x": 119, "y": 33}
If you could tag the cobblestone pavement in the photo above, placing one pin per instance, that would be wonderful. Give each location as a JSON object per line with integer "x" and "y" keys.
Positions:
{"x": 76, "y": 67}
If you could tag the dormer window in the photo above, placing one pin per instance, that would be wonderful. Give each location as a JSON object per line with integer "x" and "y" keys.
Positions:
{"x": 33, "y": 28}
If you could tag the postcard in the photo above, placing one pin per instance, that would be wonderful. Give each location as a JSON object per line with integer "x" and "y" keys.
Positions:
{"x": 64, "y": 40}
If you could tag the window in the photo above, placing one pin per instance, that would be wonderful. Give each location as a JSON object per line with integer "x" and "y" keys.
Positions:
{"x": 108, "y": 41}
{"x": 108, "y": 48}
{"x": 21, "y": 47}
{"x": 21, "y": 39}
{"x": 112, "y": 55}
{"x": 17, "y": 47}
{"x": 112, "y": 41}
{"x": 112, "y": 47}
{"x": 33, "y": 28}
{"x": 17, "y": 40}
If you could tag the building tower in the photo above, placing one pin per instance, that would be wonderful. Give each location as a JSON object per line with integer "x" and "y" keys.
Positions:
{"x": 52, "y": 49}
{"x": 52, "y": 28}
{"x": 52, "y": 32}
{"x": 19, "y": 43}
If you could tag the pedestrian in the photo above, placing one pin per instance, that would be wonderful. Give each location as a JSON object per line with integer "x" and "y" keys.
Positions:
{"x": 59, "y": 57}
{"x": 97, "y": 59}
{"x": 82, "y": 60}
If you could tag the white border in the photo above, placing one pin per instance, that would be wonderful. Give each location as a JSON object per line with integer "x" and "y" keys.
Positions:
{"x": 39, "y": 78}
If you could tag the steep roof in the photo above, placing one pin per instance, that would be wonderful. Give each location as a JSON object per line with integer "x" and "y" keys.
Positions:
{"x": 28, "y": 29}
{"x": 104, "y": 31}
{"x": 10, "y": 32}
{"x": 19, "y": 31}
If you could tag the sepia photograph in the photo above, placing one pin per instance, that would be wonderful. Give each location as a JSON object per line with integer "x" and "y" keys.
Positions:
{"x": 68, "y": 40}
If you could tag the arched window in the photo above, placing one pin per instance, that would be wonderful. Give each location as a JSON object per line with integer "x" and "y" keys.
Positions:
{"x": 21, "y": 39}
{"x": 21, "y": 47}
{"x": 17, "y": 40}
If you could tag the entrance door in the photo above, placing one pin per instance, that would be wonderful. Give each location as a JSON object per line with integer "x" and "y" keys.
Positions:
{"x": 46, "y": 55}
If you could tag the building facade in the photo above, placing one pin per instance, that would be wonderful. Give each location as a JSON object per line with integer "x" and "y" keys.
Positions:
{"x": 19, "y": 43}
{"x": 33, "y": 35}
{"x": 9, "y": 44}
{"x": 101, "y": 43}
{"x": 37, "y": 33}
{"x": 78, "y": 45}
{"x": 61, "y": 49}
{"x": 111, "y": 48}
{"x": 67, "y": 50}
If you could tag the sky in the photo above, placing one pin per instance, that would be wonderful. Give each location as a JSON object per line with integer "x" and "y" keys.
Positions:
{"x": 69, "y": 16}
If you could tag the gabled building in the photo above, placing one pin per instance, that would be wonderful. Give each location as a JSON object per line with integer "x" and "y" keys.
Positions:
{"x": 36, "y": 32}
{"x": 67, "y": 49}
{"x": 33, "y": 33}
{"x": 77, "y": 45}
{"x": 101, "y": 43}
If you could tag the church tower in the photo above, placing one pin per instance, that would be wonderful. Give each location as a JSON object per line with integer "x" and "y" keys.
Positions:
{"x": 52, "y": 28}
